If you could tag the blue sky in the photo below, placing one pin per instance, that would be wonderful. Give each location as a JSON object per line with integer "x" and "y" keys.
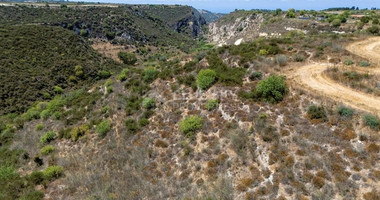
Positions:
{"x": 226, "y": 6}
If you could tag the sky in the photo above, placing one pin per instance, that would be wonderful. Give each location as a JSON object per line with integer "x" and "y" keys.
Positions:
{"x": 226, "y": 6}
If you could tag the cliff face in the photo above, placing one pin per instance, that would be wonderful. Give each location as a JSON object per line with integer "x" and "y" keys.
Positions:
{"x": 235, "y": 28}
{"x": 191, "y": 24}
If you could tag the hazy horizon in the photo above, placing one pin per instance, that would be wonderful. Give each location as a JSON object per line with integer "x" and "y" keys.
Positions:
{"x": 226, "y": 6}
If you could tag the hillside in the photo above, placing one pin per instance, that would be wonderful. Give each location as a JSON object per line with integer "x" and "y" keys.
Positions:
{"x": 36, "y": 58}
{"x": 289, "y": 115}
{"x": 244, "y": 26}
{"x": 129, "y": 24}
{"x": 210, "y": 16}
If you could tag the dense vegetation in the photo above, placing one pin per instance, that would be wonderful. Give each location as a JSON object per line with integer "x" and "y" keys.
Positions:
{"x": 37, "y": 62}
{"x": 123, "y": 24}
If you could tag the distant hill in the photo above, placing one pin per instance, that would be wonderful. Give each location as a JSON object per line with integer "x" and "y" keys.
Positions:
{"x": 132, "y": 24}
{"x": 210, "y": 16}
{"x": 36, "y": 58}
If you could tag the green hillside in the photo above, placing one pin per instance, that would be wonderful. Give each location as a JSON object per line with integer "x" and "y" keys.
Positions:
{"x": 123, "y": 24}
{"x": 35, "y": 59}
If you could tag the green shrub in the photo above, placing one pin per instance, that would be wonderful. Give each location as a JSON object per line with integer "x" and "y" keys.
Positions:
{"x": 345, "y": 112}
{"x": 148, "y": 103}
{"x": 212, "y": 104}
{"x": 348, "y": 62}
{"x": 143, "y": 122}
{"x": 52, "y": 172}
{"x": 131, "y": 126}
{"x": 374, "y": 29}
{"x": 299, "y": 58}
{"x": 372, "y": 121}
{"x": 45, "y": 114}
{"x": 272, "y": 89}
{"x": 336, "y": 23}
{"x": 56, "y": 115}
{"x": 32, "y": 113}
{"x": 205, "y": 78}
{"x": 364, "y": 64}
{"x": 47, "y": 150}
{"x": 123, "y": 75}
{"x": 36, "y": 177}
{"x": 105, "y": 109}
{"x": 127, "y": 58}
{"x": 103, "y": 74}
{"x": 103, "y": 128}
{"x": 58, "y": 90}
{"x": 256, "y": 76}
{"x": 79, "y": 131}
{"x": 150, "y": 74}
{"x": 375, "y": 21}
{"x": 316, "y": 112}
{"x": 47, "y": 137}
{"x": 78, "y": 71}
{"x": 190, "y": 124}
{"x": 39, "y": 127}
{"x": 263, "y": 52}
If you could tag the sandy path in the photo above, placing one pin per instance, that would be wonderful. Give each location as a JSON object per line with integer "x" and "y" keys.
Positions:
{"x": 312, "y": 78}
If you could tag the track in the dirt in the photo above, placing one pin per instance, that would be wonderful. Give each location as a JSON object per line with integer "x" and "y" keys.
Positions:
{"x": 312, "y": 78}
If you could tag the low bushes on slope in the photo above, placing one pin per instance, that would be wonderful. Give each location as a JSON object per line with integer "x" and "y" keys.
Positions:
{"x": 38, "y": 62}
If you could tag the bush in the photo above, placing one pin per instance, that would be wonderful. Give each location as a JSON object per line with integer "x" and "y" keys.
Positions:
{"x": 299, "y": 58}
{"x": 345, "y": 112}
{"x": 127, "y": 58}
{"x": 52, "y": 172}
{"x": 123, "y": 75}
{"x": 348, "y": 62}
{"x": 372, "y": 121}
{"x": 316, "y": 112}
{"x": 103, "y": 128}
{"x": 39, "y": 127}
{"x": 375, "y": 30}
{"x": 212, "y": 104}
{"x": 47, "y": 137}
{"x": 263, "y": 52}
{"x": 143, "y": 122}
{"x": 103, "y": 74}
{"x": 205, "y": 78}
{"x": 36, "y": 177}
{"x": 364, "y": 64}
{"x": 47, "y": 150}
{"x": 190, "y": 124}
{"x": 58, "y": 90}
{"x": 272, "y": 89}
{"x": 150, "y": 74}
{"x": 78, "y": 132}
{"x": 148, "y": 103}
{"x": 336, "y": 22}
{"x": 131, "y": 126}
{"x": 281, "y": 60}
{"x": 45, "y": 114}
{"x": 256, "y": 76}
{"x": 375, "y": 21}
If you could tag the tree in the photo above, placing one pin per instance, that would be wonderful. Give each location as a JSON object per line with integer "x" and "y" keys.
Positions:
{"x": 127, "y": 58}
{"x": 271, "y": 89}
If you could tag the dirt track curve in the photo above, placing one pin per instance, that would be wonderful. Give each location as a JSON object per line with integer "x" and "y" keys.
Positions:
{"x": 312, "y": 78}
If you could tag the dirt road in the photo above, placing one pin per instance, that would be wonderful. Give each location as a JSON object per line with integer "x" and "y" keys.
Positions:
{"x": 312, "y": 78}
